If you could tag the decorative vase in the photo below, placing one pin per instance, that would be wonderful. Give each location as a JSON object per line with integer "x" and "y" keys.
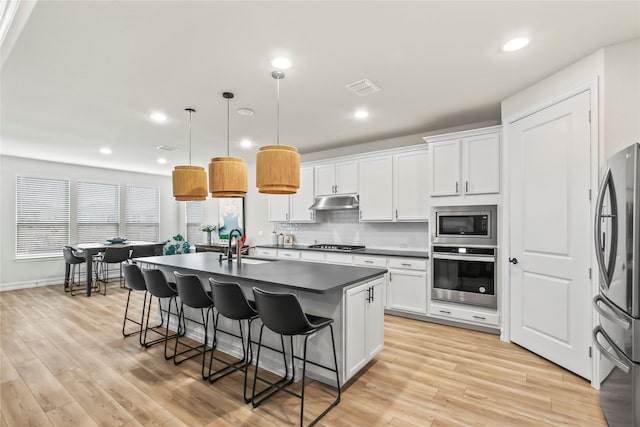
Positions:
{"x": 207, "y": 238}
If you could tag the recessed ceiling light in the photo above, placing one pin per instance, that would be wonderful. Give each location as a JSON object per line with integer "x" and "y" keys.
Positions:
{"x": 158, "y": 117}
{"x": 361, "y": 114}
{"x": 515, "y": 44}
{"x": 162, "y": 160}
{"x": 281, "y": 63}
{"x": 245, "y": 111}
{"x": 246, "y": 143}
{"x": 105, "y": 150}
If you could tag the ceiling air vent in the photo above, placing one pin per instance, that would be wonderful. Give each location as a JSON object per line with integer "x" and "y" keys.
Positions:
{"x": 363, "y": 87}
{"x": 166, "y": 148}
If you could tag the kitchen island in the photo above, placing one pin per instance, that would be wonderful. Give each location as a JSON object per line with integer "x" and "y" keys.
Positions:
{"x": 351, "y": 296}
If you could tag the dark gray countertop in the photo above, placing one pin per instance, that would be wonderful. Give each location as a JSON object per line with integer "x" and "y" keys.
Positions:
{"x": 367, "y": 251}
{"x": 299, "y": 275}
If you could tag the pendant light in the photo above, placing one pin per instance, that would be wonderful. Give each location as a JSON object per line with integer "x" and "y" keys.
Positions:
{"x": 278, "y": 166}
{"x": 227, "y": 175}
{"x": 189, "y": 182}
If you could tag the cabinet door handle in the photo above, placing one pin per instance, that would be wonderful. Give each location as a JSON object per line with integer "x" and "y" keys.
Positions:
{"x": 311, "y": 215}
{"x": 390, "y": 276}
{"x": 368, "y": 294}
{"x": 286, "y": 216}
{"x": 444, "y": 311}
{"x": 373, "y": 293}
{"x": 360, "y": 214}
{"x": 479, "y": 317}
{"x": 396, "y": 213}
{"x": 466, "y": 186}
{"x": 456, "y": 187}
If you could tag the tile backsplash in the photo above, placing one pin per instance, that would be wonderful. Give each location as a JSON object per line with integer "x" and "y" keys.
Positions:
{"x": 344, "y": 227}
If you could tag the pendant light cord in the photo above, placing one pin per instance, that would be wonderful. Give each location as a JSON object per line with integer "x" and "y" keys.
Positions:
{"x": 190, "y": 137}
{"x": 227, "y": 127}
{"x": 278, "y": 112}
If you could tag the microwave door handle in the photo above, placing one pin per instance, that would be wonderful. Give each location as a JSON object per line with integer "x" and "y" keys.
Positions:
{"x": 606, "y": 269}
{"x": 609, "y": 311}
{"x": 615, "y": 356}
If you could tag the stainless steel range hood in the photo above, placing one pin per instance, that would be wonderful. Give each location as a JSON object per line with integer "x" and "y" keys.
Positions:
{"x": 328, "y": 203}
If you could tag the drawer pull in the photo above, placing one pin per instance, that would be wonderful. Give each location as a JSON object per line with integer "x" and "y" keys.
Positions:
{"x": 444, "y": 311}
{"x": 368, "y": 261}
{"x": 406, "y": 264}
{"x": 479, "y": 317}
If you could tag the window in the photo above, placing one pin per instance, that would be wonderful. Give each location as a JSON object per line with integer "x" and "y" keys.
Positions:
{"x": 142, "y": 213}
{"x": 98, "y": 211}
{"x": 195, "y": 215}
{"x": 42, "y": 216}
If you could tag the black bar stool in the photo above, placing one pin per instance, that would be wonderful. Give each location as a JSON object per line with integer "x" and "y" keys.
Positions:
{"x": 112, "y": 255}
{"x": 134, "y": 281}
{"x": 282, "y": 314}
{"x": 159, "y": 287}
{"x": 232, "y": 304}
{"x": 192, "y": 294}
{"x": 71, "y": 260}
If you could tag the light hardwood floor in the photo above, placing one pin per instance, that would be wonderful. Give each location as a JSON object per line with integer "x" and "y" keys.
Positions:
{"x": 63, "y": 361}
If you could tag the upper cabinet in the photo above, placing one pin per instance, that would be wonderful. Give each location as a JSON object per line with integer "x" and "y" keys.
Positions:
{"x": 304, "y": 198}
{"x": 294, "y": 208}
{"x": 465, "y": 163}
{"x": 394, "y": 187}
{"x": 337, "y": 178}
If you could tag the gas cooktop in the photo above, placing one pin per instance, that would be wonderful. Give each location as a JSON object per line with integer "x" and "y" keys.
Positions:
{"x": 336, "y": 247}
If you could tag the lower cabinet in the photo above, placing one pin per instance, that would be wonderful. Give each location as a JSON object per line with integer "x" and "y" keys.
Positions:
{"x": 467, "y": 314}
{"x": 407, "y": 285}
{"x": 364, "y": 325}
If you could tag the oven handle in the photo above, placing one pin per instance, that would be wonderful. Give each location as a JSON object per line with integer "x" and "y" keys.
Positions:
{"x": 488, "y": 258}
{"x": 612, "y": 312}
{"x": 616, "y": 357}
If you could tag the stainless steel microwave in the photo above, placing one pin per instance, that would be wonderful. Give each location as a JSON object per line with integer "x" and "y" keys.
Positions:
{"x": 468, "y": 225}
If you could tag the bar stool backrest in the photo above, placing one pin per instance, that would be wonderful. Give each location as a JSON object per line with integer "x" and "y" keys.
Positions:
{"x": 70, "y": 257}
{"x": 281, "y": 313}
{"x": 133, "y": 277}
{"x": 230, "y": 301}
{"x": 191, "y": 291}
{"x": 114, "y": 254}
{"x": 157, "y": 283}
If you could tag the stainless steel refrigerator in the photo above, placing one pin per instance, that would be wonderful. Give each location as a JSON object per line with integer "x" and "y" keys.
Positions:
{"x": 617, "y": 240}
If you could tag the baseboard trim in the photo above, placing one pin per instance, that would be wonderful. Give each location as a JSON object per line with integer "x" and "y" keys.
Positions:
{"x": 29, "y": 284}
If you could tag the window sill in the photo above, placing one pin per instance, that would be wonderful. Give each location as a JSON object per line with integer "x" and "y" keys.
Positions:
{"x": 40, "y": 257}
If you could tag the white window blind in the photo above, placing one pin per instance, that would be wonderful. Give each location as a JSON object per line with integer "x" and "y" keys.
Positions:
{"x": 98, "y": 211}
{"x": 142, "y": 207}
{"x": 195, "y": 215}
{"x": 42, "y": 216}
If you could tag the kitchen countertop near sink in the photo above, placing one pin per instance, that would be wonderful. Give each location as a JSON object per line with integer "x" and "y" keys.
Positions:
{"x": 367, "y": 251}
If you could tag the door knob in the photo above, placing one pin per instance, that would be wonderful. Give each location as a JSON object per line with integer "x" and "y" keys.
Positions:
{"x": 513, "y": 261}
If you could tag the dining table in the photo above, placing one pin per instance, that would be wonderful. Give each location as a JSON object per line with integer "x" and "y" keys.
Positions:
{"x": 89, "y": 250}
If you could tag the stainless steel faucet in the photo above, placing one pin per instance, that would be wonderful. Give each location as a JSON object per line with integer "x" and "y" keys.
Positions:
{"x": 238, "y": 242}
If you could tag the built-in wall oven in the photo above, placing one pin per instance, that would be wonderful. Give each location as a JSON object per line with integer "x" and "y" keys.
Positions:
{"x": 465, "y": 275}
{"x": 463, "y": 252}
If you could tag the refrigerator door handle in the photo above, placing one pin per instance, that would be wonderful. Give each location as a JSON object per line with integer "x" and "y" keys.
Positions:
{"x": 615, "y": 356}
{"x": 606, "y": 270}
{"x": 611, "y": 312}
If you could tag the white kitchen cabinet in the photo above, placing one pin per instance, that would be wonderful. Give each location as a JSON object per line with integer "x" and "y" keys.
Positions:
{"x": 337, "y": 178}
{"x": 408, "y": 284}
{"x": 375, "y": 176}
{"x": 295, "y": 207}
{"x": 266, "y": 252}
{"x": 411, "y": 186}
{"x": 467, "y": 314}
{"x": 278, "y": 207}
{"x": 304, "y": 198}
{"x": 288, "y": 254}
{"x": 363, "y": 324}
{"x": 394, "y": 187}
{"x": 465, "y": 163}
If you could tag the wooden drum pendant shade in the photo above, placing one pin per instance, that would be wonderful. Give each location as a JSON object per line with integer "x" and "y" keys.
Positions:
{"x": 227, "y": 177}
{"x": 278, "y": 166}
{"x": 189, "y": 183}
{"x": 278, "y": 169}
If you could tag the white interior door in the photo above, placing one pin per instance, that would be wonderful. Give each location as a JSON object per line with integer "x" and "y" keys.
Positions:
{"x": 551, "y": 233}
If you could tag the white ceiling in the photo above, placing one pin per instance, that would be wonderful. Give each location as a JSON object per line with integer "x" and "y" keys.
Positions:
{"x": 83, "y": 75}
